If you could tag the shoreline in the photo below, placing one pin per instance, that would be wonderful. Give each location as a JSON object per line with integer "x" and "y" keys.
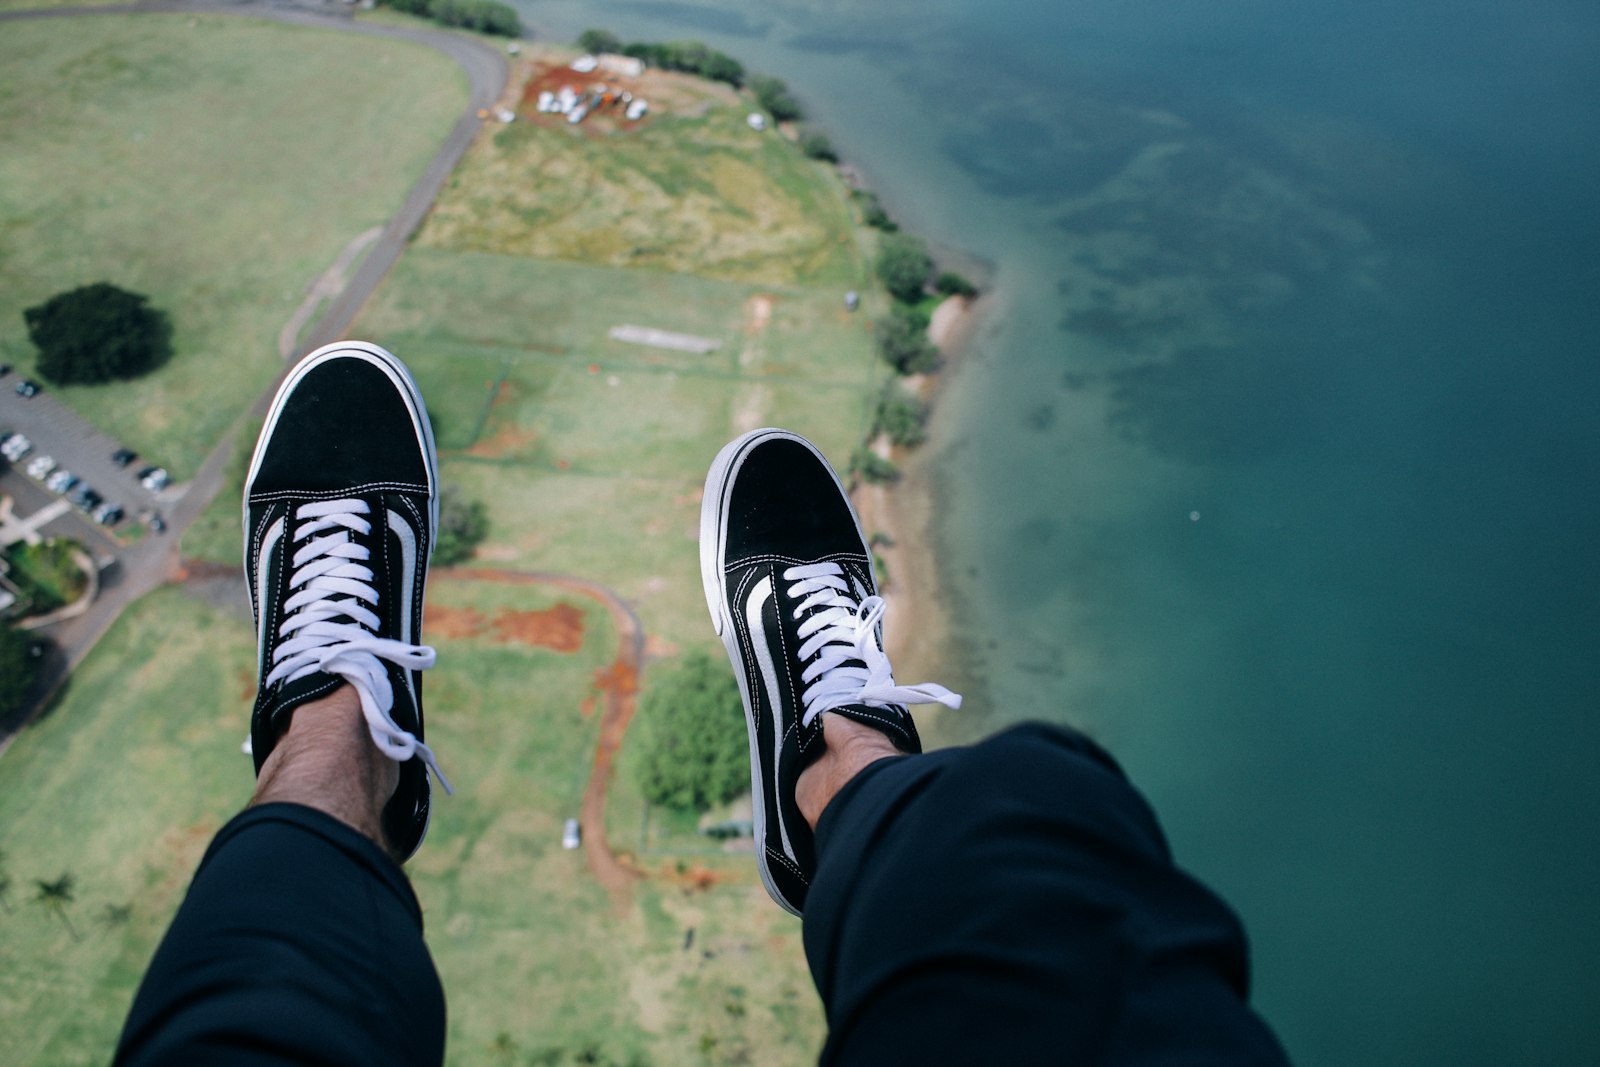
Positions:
{"x": 917, "y": 628}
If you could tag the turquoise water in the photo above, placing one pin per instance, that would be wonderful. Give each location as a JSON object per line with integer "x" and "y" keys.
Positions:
{"x": 1277, "y": 467}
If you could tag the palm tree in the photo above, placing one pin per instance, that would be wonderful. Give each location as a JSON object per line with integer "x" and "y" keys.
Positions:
{"x": 55, "y": 896}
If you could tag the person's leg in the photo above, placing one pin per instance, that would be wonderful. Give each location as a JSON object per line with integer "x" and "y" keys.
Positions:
{"x": 1010, "y": 903}
{"x": 300, "y": 940}
{"x": 1013, "y": 902}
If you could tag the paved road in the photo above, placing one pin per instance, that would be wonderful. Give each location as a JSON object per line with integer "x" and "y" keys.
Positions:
{"x": 138, "y": 569}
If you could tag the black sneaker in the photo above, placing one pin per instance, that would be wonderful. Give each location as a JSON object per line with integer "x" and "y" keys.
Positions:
{"x": 788, "y": 578}
{"x": 339, "y": 511}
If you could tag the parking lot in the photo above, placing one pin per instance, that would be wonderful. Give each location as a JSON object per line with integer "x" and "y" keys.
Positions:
{"x": 55, "y": 431}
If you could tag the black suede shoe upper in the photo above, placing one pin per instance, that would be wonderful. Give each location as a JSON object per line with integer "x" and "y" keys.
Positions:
{"x": 348, "y": 424}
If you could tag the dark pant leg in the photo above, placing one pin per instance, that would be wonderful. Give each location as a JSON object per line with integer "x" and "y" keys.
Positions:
{"x": 1015, "y": 903}
{"x": 300, "y": 942}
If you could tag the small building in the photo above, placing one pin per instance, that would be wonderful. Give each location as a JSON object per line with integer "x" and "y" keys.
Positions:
{"x": 623, "y": 66}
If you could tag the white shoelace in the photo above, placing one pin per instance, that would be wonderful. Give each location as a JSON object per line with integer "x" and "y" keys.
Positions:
{"x": 842, "y": 633}
{"x": 328, "y": 623}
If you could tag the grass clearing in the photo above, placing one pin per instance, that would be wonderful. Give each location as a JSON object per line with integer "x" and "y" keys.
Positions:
{"x": 204, "y": 161}
{"x": 589, "y": 453}
{"x": 527, "y": 943}
{"x": 691, "y": 189}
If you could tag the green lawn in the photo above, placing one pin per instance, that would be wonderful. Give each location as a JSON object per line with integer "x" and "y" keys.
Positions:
{"x": 588, "y": 452}
{"x": 526, "y": 942}
{"x": 689, "y": 190}
{"x": 214, "y": 163}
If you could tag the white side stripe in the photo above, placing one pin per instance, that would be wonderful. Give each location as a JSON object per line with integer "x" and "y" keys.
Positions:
{"x": 408, "y": 579}
{"x": 769, "y": 679}
{"x": 269, "y": 545}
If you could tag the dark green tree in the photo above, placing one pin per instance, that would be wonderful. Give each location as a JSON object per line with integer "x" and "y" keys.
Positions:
{"x": 815, "y": 144}
{"x": 18, "y": 667}
{"x": 903, "y": 266}
{"x": 902, "y": 416}
{"x": 55, "y": 896}
{"x": 871, "y": 467}
{"x": 597, "y": 41}
{"x": 774, "y": 96}
{"x": 485, "y": 16}
{"x": 903, "y": 341}
{"x": 873, "y": 212}
{"x": 950, "y": 283}
{"x": 694, "y": 742}
{"x": 463, "y": 524}
{"x": 96, "y": 333}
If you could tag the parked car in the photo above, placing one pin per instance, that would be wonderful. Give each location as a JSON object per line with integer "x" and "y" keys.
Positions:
{"x": 157, "y": 523}
{"x": 154, "y": 479}
{"x": 61, "y": 481}
{"x": 39, "y": 467}
{"x": 14, "y": 446}
{"x": 571, "y": 835}
{"x": 85, "y": 497}
{"x": 107, "y": 514}
{"x": 28, "y": 388}
{"x": 124, "y": 456}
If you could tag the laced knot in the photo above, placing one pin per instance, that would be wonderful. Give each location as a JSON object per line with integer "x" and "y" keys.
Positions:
{"x": 330, "y": 626}
{"x": 841, "y": 632}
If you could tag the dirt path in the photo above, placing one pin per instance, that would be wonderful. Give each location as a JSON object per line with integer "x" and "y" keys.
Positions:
{"x": 620, "y": 684}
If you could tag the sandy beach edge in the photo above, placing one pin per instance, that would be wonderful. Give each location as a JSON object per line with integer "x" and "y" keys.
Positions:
{"x": 900, "y": 518}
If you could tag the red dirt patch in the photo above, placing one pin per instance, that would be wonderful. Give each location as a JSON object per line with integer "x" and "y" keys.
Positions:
{"x": 560, "y": 628}
{"x": 510, "y": 441}
{"x": 693, "y": 878}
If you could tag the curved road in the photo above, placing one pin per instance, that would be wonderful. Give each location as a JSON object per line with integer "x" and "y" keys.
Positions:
{"x": 139, "y": 569}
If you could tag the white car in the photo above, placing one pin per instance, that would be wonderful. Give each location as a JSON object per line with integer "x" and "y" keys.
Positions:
{"x": 15, "y": 446}
{"x": 61, "y": 481}
{"x": 39, "y": 467}
{"x": 154, "y": 479}
{"x": 571, "y": 835}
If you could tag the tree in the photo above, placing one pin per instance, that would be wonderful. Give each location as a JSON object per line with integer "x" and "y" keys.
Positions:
{"x": 18, "y": 667}
{"x": 815, "y": 144}
{"x": 873, "y": 213}
{"x": 773, "y": 95}
{"x": 55, "y": 896}
{"x": 952, "y": 284}
{"x": 695, "y": 751}
{"x": 903, "y": 341}
{"x": 486, "y": 16}
{"x": 98, "y": 332}
{"x": 597, "y": 41}
{"x": 903, "y": 266}
{"x": 902, "y": 416}
{"x": 871, "y": 467}
{"x": 463, "y": 524}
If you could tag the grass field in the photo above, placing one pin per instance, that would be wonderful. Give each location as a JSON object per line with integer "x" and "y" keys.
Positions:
{"x": 526, "y": 942}
{"x": 205, "y": 161}
{"x": 589, "y": 454}
{"x": 691, "y": 189}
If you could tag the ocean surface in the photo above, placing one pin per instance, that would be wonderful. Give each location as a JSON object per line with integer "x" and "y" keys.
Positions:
{"x": 1277, "y": 463}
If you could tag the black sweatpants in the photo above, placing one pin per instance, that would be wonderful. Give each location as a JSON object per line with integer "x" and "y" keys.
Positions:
{"x": 1015, "y": 903}
{"x": 1009, "y": 903}
{"x": 300, "y": 942}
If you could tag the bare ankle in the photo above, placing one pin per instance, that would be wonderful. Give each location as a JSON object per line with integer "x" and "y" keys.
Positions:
{"x": 326, "y": 760}
{"x": 850, "y": 748}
